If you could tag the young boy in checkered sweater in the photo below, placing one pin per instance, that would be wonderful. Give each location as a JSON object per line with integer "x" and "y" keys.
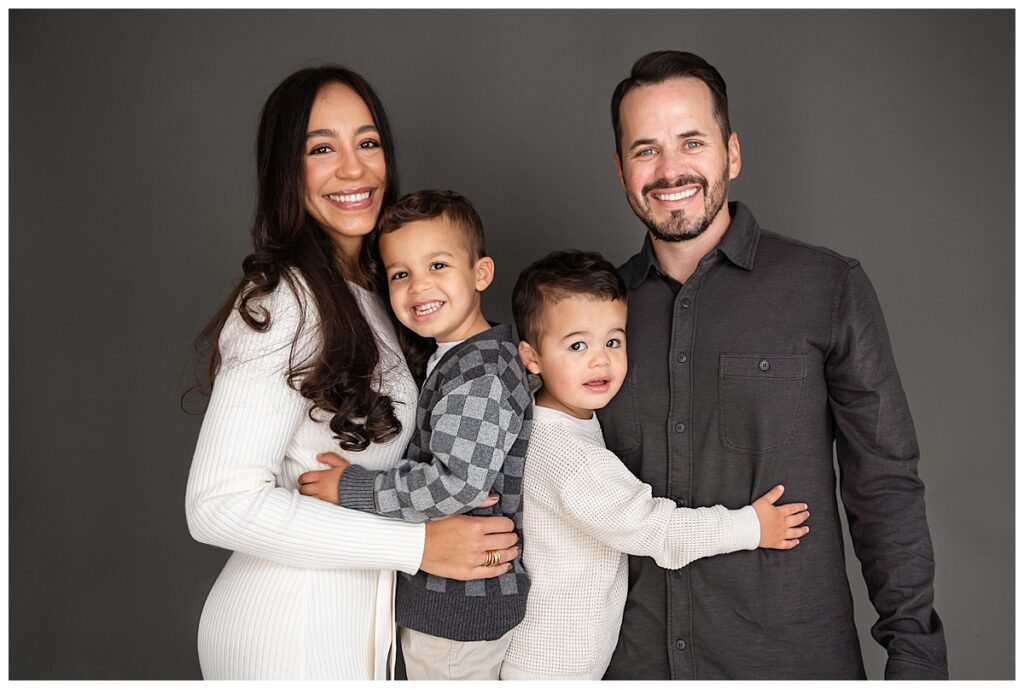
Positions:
{"x": 473, "y": 425}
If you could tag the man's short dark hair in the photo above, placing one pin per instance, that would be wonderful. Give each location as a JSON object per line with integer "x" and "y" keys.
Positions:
{"x": 662, "y": 65}
{"x": 433, "y": 203}
{"x": 558, "y": 276}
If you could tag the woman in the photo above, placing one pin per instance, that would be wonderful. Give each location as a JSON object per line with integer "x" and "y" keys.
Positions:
{"x": 306, "y": 361}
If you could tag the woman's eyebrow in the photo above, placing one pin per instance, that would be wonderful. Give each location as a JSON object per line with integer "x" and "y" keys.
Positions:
{"x": 330, "y": 132}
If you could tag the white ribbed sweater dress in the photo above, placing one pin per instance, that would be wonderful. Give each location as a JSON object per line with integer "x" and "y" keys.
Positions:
{"x": 582, "y": 512}
{"x": 308, "y": 592}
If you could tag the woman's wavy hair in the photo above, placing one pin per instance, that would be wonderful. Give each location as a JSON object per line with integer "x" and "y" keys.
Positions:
{"x": 341, "y": 377}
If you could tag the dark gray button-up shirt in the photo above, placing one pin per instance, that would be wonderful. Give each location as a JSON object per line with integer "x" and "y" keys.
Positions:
{"x": 740, "y": 379}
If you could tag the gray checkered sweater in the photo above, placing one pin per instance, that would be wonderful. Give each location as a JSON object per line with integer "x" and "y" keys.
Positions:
{"x": 473, "y": 425}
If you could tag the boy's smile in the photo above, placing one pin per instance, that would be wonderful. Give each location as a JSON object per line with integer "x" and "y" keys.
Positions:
{"x": 599, "y": 384}
{"x": 433, "y": 282}
{"x": 426, "y": 311}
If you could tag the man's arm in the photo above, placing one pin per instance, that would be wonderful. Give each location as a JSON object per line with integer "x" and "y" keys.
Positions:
{"x": 877, "y": 453}
{"x": 472, "y": 429}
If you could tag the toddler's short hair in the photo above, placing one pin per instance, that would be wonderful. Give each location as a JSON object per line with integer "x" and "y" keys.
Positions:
{"x": 558, "y": 276}
{"x": 433, "y": 203}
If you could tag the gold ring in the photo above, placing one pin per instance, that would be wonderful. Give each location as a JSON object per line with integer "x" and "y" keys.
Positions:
{"x": 492, "y": 558}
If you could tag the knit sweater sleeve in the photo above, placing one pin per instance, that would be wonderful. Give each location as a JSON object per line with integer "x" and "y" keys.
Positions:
{"x": 472, "y": 428}
{"x": 600, "y": 496}
{"x": 233, "y": 499}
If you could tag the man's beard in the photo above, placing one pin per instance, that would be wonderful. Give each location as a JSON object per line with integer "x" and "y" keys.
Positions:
{"x": 679, "y": 228}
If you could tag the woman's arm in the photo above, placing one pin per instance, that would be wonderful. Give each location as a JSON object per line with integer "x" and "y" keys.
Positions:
{"x": 232, "y": 500}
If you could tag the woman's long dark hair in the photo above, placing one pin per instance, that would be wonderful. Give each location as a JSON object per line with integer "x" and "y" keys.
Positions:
{"x": 341, "y": 377}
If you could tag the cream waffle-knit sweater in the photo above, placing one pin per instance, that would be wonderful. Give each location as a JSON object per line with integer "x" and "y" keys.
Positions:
{"x": 308, "y": 591}
{"x": 583, "y": 512}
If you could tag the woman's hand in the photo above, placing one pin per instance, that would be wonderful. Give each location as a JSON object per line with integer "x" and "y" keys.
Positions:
{"x": 323, "y": 483}
{"x": 457, "y": 547}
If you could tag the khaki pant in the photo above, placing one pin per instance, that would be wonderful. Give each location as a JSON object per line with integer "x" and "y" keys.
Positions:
{"x": 431, "y": 657}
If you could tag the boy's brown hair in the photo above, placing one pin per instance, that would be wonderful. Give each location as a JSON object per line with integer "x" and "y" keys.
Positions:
{"x": 558, "y": 276}
{"x": 434, "y": 203}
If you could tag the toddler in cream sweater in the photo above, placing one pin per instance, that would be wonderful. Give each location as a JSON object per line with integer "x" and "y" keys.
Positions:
{"x": 584, "y": 511}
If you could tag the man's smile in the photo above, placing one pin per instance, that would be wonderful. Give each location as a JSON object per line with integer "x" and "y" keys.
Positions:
{"x": 676, "y": 195}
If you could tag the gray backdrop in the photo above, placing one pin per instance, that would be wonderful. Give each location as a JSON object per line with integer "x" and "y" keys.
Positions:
{"x": 885, "y": 135}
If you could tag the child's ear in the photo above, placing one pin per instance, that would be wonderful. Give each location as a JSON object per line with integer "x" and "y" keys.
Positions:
{"x": 529, "y": 357}
{"x": 484, "y": 270}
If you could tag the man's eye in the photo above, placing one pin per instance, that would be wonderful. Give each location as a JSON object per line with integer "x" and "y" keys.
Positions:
{"x": 438, "y": 265}
{"x": 399, "y": 275}
{"x": 578, "y": 346}
{"x": 613, "y": 343}
{"x": 645, "y": 153}
{"x": 693, "y": 145}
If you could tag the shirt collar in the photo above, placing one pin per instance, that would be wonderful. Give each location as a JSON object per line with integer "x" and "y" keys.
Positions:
{"x": 740, "y": 241}
{"x": 738, "y": 244}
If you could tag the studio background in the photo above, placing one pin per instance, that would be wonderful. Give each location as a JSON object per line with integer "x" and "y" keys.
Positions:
{"x": 885, "y": 135}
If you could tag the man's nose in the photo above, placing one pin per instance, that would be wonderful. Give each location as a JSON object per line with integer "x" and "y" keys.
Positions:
{"x": 672, "y": 165}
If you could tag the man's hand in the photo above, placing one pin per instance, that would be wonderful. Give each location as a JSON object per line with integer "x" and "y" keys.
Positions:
{"x": 456, "y": 547}
{"x": 323, "y": 484}
{"x": 780, "y": 525}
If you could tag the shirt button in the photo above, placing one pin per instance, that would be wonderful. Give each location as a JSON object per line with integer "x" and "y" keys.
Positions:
{"x": 764, "y": 365}
{"x": 681, "y": 357}
{"x": 680, "y": 644}
{"x": 685, "y": 302}
{"x": 677, "y": 574}
{"x": 680, "y": 428}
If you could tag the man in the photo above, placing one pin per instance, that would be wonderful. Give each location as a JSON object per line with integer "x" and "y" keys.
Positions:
{"x": 749, "y": 354}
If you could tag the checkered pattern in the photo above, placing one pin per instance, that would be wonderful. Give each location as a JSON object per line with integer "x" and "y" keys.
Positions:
{"x": 473, "y": 425}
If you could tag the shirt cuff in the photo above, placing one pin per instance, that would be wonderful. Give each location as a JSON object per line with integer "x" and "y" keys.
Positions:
{"x": 355, "y": 489}
{"x": 746, "y": 529}
{"x": 408, "y": 541}
{"x": 908, "y": 667}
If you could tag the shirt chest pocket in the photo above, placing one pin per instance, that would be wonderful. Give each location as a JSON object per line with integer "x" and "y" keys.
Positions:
{"x": 758, "y": 400}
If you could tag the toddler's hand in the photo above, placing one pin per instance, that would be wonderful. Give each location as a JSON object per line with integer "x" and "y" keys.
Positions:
{"x": 323, "y": 484}
{"x": 780, "y": 525}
